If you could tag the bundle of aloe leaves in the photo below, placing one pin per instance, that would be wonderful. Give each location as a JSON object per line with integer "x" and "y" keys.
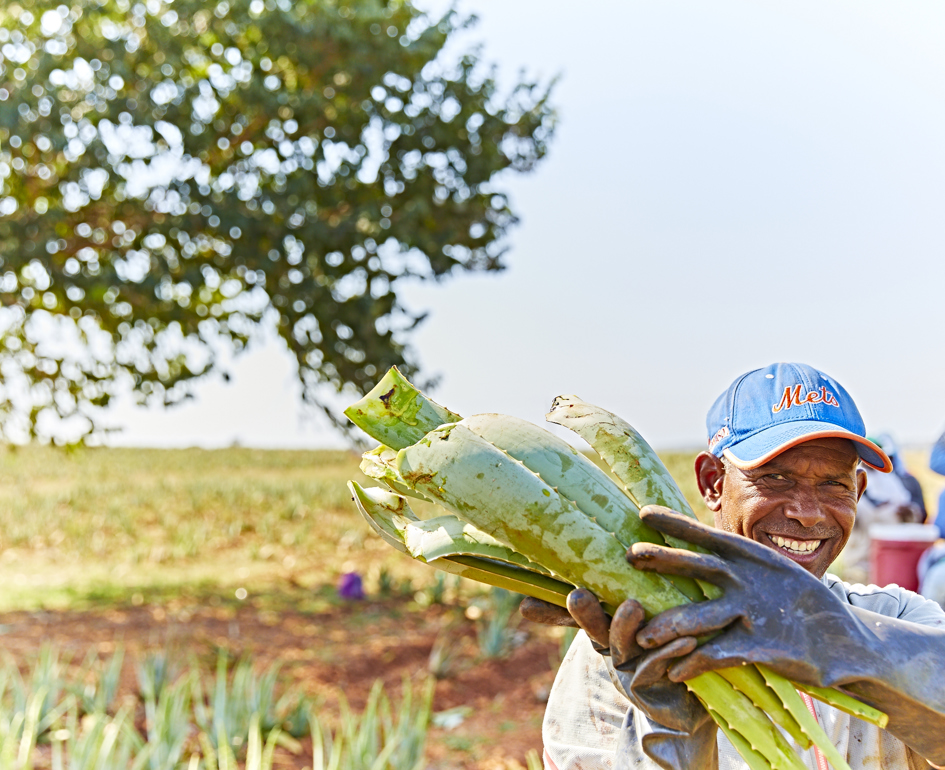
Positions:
{"x": 529, "y": 513}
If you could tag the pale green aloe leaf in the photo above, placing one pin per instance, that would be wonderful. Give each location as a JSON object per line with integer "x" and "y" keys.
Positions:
{"x": 378, "y": 464}
{"x": 391, "y": 517}
{"x": 396, "y": 413}
{"x": 847, "y": 703}
{"x": 497, "y": 494}
{"x": 626, "y": 452}
{"x": 471, "y": 554}
{"x": 504, "y": 575}
{"x": 561, "y": 466}
{"x": 575, "y": 478}
{"x": 450, "y": 536}
{"x": 632, "y": 460}
{"x": 386, "y": 512}
{"x": 427, "y": 540}
{"x": 29, "y": 737}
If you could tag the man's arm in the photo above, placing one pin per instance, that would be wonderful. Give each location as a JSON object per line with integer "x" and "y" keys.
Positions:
{"x": 775, "y": 613}
{"x": 898, "y": 668}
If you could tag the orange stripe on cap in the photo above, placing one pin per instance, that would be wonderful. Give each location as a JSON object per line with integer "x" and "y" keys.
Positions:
{"x": 746, "y": 465}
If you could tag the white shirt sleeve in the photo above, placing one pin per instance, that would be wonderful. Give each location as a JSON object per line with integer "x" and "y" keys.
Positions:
{"x": 584, "y": 714}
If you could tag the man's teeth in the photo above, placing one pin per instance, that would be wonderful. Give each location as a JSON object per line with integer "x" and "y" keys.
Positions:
{"x": 797, "y": 546}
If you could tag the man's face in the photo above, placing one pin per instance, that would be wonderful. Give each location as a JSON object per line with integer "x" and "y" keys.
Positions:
{"x": 802, "y": 503}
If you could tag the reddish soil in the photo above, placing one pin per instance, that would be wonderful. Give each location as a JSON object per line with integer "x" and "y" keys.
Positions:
{"x": 338, "y": 648}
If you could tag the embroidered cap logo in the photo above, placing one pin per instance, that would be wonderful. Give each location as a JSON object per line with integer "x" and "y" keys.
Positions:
{"x": 722, "y": 433}
{"x": 792, "y": 397}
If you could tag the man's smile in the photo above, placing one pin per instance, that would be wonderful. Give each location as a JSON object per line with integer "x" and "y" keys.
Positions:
{"x": 799, "y": 550}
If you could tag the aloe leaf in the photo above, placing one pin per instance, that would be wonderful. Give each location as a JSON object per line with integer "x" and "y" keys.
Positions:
{"x": 847, "y": 704}
{"x": 754, "y": 759}
{"x": 385, "y": 511}
{"x": 808, "y": 722}
{"x": 750, "y": 721}
{"x": 632, "y": 460}
{"x": 561, "y": 466}
{"x": 748, "y": 679}
{"x": 511, "y": 578}
{"x": 626, "y": 452}
{"x": 449, "y": 536}
{"x": 396, "y": 413}
{"x": 497, "y": 494}
{"x": 378, "y": 464}
{"x": 29, "y": 736}
{"x": 390, "y": 516}
{"x": 574, "y": 478}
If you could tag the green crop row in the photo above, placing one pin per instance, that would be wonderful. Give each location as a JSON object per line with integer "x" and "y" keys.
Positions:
{"x": 72, "y": 718}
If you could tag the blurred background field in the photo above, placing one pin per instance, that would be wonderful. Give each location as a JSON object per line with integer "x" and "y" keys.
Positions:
{"x": 177, "y": 555}
{"x": 132, "y": 525}
{"x": 128, "y": 523}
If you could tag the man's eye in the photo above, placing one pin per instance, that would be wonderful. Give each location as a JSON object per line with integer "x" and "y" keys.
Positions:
{"x": 775, "y": 476}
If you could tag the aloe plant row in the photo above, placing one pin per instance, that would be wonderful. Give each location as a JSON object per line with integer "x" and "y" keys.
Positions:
{"x": 238, "y": 720}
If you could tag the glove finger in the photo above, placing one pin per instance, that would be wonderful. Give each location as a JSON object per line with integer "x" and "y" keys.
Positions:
{"x": 696, "y": 747}
{"x": 653, "y": 666}
{"x": 587, "y": 611}
{"x": 735, "y": 649}
{"x": 623, "y": 631}
{"x": 676, "y": 561}
{"x": 699, "y": 619}
{"x": 701, "y": 661}
{"x": 725, "y": 544}
{"x": 546, "y": 613}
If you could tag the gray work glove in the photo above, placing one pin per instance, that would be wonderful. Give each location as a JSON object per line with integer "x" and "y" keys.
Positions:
{"x": 678, "y": 733}
{"x": 776, "y": 613}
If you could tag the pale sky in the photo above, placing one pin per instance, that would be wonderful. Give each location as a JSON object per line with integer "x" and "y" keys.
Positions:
{"x": 731, "y": 184}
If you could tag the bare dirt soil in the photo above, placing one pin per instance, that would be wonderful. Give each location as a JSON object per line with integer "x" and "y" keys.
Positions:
{"x": 340, "y": 648}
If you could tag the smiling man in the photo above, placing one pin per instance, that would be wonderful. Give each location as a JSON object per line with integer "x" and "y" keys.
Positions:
{"x": 782, "y": 476}
{"x": 801, "y": 503}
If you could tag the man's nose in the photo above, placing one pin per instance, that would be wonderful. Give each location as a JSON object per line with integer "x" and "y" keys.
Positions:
{"x": 805, "y": 508}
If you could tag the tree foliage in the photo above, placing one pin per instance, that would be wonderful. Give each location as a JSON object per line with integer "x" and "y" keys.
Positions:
{"x": 176, "y": 174}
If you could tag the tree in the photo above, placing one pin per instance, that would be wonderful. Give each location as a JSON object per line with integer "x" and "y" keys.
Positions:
{"x": 175, "y": 174}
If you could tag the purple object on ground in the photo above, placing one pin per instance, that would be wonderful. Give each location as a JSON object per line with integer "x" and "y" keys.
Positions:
{"x": 350, "y": 586}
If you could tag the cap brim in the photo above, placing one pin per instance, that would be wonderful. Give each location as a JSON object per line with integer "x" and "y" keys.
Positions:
{"x": 769, "y": 443}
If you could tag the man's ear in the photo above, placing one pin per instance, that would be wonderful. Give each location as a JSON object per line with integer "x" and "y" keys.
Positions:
{"x": 710, "y": 475}
{"x": 860, "y": 483}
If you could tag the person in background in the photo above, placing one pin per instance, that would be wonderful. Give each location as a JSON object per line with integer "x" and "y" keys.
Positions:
{"x": 886, "y": 500}
{"x": 932, "y": 563}
{"x": 910, "y": 482}
{"x": 937, "y": 464}
{"x": 937, "y": 459}
{"x": 932, "y": 573}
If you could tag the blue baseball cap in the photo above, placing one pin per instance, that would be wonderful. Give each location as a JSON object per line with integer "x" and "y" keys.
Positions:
{"x": 770, "y": 410}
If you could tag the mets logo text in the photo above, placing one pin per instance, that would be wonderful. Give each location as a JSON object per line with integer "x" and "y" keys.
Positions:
{"x": 792, "y": 397}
